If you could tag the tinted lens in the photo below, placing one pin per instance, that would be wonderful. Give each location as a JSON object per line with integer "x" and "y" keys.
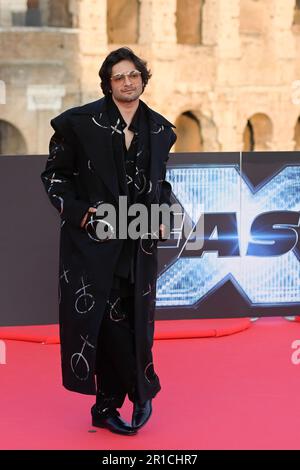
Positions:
{"x": 134, "y": 74}
{"x": 119, "y": 77}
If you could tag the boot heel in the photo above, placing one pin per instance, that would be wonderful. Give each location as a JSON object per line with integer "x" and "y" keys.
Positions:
{"x": 97, "y": 423}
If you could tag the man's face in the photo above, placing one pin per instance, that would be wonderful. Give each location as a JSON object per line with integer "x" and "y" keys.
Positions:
{"x": 126, "y": 88}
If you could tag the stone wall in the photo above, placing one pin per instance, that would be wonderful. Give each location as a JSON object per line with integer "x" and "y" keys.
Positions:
{"x": 226, "y": 72}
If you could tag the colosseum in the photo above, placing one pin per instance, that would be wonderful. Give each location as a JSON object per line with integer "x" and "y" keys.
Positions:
{"x": 226, "y": 72}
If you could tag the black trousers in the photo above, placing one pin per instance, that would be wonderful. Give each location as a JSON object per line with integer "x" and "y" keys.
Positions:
{"x": 115, "y": 360}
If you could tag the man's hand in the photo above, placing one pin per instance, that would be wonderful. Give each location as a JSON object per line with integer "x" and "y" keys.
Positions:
{"x": 162, "y": 231}
{"x": 91, "y": 209}
{"x": 162, "y": 227}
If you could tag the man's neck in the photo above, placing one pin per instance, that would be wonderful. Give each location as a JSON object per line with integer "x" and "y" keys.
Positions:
{"x": 127, "y": 109}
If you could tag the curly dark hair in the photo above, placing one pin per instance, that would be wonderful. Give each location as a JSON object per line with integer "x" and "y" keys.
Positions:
{"x": 123, "y": 53}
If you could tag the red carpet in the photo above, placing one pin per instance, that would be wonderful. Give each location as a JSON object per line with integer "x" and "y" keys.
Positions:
{"x": 238, "y": 391}
{"x": 171, "y": 329}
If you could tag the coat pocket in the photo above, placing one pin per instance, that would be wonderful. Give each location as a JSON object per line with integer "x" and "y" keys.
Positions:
{"x": 98, "y": 229}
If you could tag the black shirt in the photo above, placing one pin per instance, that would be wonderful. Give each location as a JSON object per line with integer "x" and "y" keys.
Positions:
{"x": 126, "y": 166}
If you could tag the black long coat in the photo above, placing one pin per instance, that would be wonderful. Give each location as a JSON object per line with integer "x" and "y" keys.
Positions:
{"x": 80, "y": 172}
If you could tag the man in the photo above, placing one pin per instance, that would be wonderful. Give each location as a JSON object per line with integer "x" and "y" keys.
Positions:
{"x": 116, "y": 146}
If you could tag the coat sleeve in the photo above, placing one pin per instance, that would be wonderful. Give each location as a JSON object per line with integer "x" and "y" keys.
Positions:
{"x": 58, "y": 178}
{"x": 166, "y": 188}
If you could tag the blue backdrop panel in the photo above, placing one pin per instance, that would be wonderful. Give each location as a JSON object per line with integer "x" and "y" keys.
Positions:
{"x": 247, "y": 263}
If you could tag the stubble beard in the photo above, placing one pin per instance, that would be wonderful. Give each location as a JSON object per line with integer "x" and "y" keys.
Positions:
{"x": 128, "y": 98}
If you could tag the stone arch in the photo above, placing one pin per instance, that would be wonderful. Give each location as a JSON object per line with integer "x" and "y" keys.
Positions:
{"x": 123, "y": 21}
{"x": 189, "y": 20}
{"x": 258, "y": 133}
{"x": 33, "y": 16}
{"x": 13, "y": 13}
{"x": 37, "y": 13}
{"x": 59, "y": 14}
{"x": 12, "y": 141}
{"x": 189, "y": 135}
{"x": 296, "y": 19}
{"x": 297, "y": 134}
{"x": 195, "y": 133}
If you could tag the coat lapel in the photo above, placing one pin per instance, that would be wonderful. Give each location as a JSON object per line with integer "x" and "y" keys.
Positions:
{"x": 92, "y": 126}
{"x": 159, "y": 147}
{"x": 94, "y": 132}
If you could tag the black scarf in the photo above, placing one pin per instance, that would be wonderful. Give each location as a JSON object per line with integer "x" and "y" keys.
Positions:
{"x": 133, "y": 171}
{"x": 133, "y": 168}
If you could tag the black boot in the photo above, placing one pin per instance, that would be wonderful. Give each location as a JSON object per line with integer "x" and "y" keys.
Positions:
{"x": 111, "y": 421}
{"x": 105, "y": 415}
{"x": 141, "y": 413}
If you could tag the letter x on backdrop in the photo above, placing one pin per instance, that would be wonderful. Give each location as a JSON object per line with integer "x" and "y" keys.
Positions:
{"x": 249, "y": 262}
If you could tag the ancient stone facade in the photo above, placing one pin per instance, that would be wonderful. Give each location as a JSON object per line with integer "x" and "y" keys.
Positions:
{"x": 226, "y": 72}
